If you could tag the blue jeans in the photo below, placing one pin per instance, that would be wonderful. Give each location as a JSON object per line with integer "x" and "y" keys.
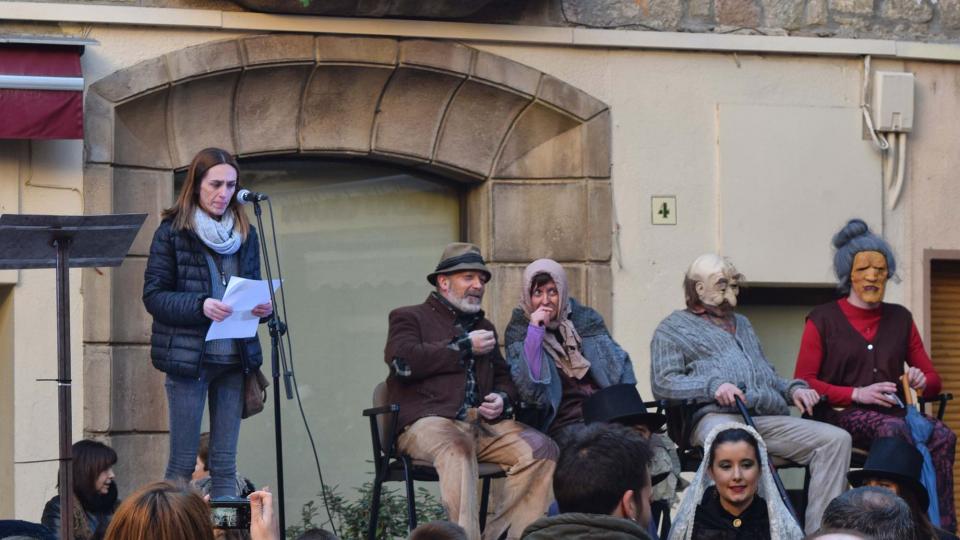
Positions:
{"x": 185, "y": 401}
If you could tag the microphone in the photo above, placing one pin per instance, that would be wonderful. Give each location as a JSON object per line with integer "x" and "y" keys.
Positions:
{"x": 245, "y": 196}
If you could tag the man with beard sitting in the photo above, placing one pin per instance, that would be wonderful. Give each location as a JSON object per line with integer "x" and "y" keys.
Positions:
{"x": 455, "y": 395}
{"x": 709, "y": 354}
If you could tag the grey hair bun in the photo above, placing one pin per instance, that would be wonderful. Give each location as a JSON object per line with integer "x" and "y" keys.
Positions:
{"x": 854, "y": 228}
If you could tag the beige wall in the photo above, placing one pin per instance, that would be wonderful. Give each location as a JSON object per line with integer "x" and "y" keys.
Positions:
{"x": 931, "y": 199}
{"x": 7, "y": 397}
{"x": 45, "y": 178}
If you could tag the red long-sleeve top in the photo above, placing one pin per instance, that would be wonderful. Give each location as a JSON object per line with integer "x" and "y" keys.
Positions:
{"x": 864, "y": 321}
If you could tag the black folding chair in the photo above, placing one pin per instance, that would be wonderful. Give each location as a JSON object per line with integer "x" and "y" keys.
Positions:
{"x": 390, "y": 465}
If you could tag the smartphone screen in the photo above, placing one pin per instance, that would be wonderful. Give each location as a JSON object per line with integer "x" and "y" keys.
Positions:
{"x": 230, "y": 514}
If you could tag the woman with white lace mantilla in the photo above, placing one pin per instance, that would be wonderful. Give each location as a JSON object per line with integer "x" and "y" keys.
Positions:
{"x": 733, "y": 495}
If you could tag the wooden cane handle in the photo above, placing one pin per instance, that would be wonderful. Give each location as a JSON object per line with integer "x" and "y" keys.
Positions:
{"x": 907, "y": 394}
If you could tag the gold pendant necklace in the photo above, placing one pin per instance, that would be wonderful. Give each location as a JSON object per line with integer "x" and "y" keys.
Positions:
{"x": 737, "y": 522}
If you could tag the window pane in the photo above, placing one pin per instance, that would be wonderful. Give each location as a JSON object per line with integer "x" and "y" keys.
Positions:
{"x": 356, "y": 240}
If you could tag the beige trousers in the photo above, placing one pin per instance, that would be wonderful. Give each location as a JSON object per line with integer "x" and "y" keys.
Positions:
{"x": 454, "y": 447}
{"x": 821, "y": 446}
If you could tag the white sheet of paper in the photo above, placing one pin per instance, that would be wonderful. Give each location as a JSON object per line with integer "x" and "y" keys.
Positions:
{"x": 242, "y": 295}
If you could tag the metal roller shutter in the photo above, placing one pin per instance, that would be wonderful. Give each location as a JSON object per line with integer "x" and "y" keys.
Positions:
{"x": 945, "y": 339}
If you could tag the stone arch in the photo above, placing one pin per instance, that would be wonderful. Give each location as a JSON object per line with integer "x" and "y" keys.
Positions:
{"x": 522, "y": 139}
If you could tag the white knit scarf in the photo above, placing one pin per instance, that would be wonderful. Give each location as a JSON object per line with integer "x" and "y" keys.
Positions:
{"x": 217, "y": 235}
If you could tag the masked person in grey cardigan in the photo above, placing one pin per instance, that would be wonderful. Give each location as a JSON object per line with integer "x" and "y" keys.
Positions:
{"x": 559, "y": 353}
{"x": 709, "y": 354}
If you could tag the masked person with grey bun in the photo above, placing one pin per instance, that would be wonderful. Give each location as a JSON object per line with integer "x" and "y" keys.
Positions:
{"x": 202, "y": 241}
{"x": 710, "y": 354}
{"x": 853, "y": 350}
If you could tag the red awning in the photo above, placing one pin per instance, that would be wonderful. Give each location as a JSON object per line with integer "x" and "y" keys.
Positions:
{"x": 41, "y": 91}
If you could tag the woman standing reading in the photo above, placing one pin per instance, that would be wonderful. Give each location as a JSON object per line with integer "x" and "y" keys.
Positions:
{"x": 203, "y": 240}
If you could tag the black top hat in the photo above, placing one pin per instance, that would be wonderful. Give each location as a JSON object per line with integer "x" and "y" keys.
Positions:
{"x": 620, "y": 403}
{"x": 895, "y": 459}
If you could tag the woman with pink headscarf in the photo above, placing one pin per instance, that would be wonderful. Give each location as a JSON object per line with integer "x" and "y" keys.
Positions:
{"x": 559, "y": 352}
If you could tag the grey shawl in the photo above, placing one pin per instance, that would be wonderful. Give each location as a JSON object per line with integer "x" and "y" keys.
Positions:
{"x": 609, "y": 364}
{"x": 782, "y": 524}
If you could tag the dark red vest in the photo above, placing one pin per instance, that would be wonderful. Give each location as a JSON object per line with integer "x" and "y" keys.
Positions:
{"x": 851, "y": 360}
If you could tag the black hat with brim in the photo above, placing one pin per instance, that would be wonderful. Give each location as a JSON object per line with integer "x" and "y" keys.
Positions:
{"x": 622, "y": 404}
{"x": 894, "y": 459}
{"x": 459, "y": 257}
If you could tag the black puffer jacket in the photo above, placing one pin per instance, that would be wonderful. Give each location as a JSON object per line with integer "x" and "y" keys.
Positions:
{"x": 175, "y": 284}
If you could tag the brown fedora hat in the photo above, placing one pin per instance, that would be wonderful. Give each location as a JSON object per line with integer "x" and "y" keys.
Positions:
{"x": 459, "y": 257}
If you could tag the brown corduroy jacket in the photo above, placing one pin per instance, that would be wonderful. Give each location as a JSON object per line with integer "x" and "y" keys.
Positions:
{"x": 434, "y": 382}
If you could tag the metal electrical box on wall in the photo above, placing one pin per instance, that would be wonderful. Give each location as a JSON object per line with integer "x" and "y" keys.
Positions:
{"x": 892, "y": 104}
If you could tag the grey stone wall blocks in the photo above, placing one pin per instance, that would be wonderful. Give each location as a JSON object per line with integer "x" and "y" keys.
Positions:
{"x": 97, "y": 380}
{"x": 569, "y": 98}
{"x": 506, "y": 72}
{"x": 367, "y": 50}
{"x": 475, "y": 123}
{"x": 414, "y": 101}
{"x": 137, "y": 79}
{"x": 201, "y": 114}
{"x": 278, "y": 48}
{"x": 340, "y": 106}
{"x": 97, "y": 128}
{"x": 204, "y": 59}
{"x": 140, "y": 136}
{"x": 936, "y": 21}
{"x": 533, "y": 149}
{"x": 268, "y": 101}
{"x": 448, "y": 56}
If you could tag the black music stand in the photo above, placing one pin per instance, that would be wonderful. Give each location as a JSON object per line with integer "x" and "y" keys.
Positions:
{"x": 64, "y": 242}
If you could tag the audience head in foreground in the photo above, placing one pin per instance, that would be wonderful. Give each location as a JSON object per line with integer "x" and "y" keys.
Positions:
{"x": 162, "y": 511}
{"x": 875, "y": 511}
{"x": 165, "y": 511}
{"x": 837, "y": 534}
{"x": 733, "y": 492}
{"x": 438, "y": 530}
{"x": 602, "y": 486}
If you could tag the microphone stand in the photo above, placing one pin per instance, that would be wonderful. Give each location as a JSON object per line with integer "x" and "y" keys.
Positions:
{"x": 277, "y": 330}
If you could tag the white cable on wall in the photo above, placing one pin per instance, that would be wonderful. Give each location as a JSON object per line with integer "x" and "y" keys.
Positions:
{"x": 878, "y": 139}
{"x": 897, "y": 187}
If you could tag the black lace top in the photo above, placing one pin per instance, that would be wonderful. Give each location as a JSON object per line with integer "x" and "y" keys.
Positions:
{"x": 712, "y": 522}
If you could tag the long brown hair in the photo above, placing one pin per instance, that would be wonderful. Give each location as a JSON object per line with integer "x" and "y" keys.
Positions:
{"x": 187, "y": 201}
{"x": 161, "y": 511}
{"x": 90, "y": 458}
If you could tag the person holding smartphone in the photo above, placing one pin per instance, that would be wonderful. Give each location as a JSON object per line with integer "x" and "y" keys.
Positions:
{"x": 164, "y": 511}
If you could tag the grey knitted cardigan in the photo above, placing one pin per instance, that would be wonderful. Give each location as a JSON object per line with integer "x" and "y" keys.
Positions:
{"x": 691, "y": 357}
